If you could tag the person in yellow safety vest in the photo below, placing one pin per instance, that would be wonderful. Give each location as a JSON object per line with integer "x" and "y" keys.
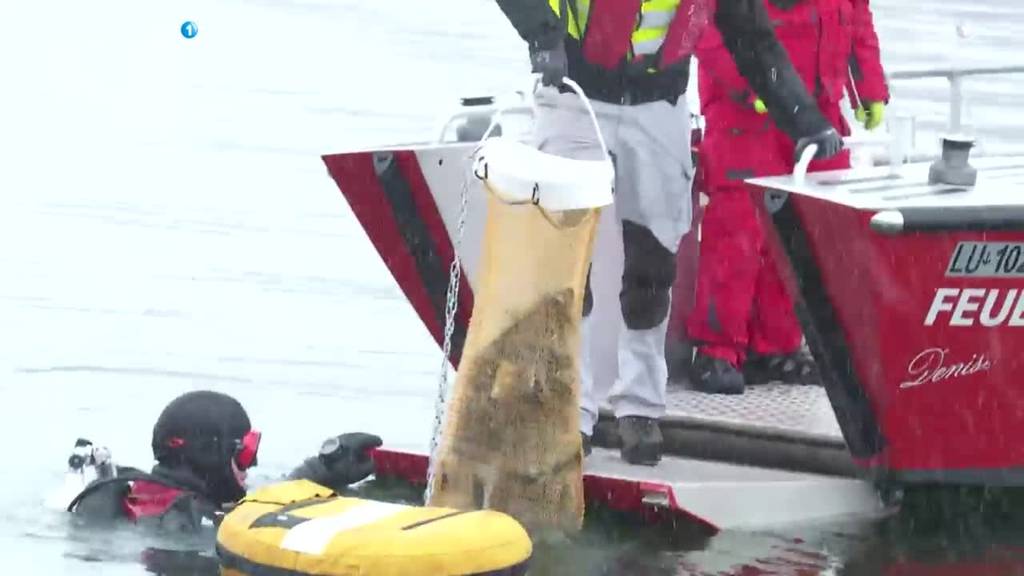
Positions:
{"x": 632, "y": 59}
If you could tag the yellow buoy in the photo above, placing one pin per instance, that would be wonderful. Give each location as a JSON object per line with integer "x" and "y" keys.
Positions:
{"x": 299, "y": 527}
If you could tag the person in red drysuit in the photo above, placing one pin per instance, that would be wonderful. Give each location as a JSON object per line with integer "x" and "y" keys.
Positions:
{"x": 741, "y": 303}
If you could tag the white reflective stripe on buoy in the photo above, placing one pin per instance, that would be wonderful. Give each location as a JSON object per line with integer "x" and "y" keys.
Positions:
{"x": 313, "y": 536}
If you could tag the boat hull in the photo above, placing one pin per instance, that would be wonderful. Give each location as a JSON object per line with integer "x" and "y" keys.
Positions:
{"x": 918, "y": 331}
{"x": 776, "y": 442}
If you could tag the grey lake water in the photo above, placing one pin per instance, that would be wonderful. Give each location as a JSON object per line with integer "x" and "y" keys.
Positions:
{"x": 166, "y": 224}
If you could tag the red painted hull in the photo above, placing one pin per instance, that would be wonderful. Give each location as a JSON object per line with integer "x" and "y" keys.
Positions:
{"x": 918, "y": 334}
{"x": 407, "y": 203}
{"x": 945, "y": 389}
{"x": 393, "y": 203}
{"x": 922, "y": 368}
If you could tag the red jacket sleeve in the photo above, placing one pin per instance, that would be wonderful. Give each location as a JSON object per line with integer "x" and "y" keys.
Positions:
{"x": 866, "y": 59}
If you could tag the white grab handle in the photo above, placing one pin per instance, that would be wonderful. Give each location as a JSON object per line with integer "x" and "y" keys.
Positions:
{"x": 800, "y": 170}
{"x": 586, "y": 103}
{"x": 593, "y": 116}
{"x": 849, "y": 142}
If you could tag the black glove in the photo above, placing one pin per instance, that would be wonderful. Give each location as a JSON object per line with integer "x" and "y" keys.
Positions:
{"x": 829, "y": 144}
{"x": 343, "y": 460}
{"x": 551, "y": 63}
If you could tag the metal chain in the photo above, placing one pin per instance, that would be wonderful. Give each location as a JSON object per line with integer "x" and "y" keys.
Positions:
{"x": 451, "y": 306}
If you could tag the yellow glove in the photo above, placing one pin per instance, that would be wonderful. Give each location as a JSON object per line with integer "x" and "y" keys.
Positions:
{"x": 759, "y": 106}
{"x": 872, "y": 117}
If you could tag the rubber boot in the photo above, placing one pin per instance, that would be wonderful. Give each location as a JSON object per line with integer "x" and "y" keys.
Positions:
{"x": 715, "y": 376}
{"x": 641, "y": 440}
{"x": 679, "y": 359}
{"x": 797, "y": 369}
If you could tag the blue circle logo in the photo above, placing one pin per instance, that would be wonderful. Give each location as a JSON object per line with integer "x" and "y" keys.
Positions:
{"x": 189, "y": 29}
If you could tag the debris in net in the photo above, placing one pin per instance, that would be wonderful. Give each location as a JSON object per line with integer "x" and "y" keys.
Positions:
{"x": 515, "y": 446}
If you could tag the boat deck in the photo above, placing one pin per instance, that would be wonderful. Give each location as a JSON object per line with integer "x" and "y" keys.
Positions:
{"x": 775, "y": 425}
{"x": 800, "y": 412}
{"x": 728, "y": 496}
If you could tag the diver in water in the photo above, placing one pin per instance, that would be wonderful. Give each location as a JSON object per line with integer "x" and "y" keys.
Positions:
{"x": 204, "y": 446}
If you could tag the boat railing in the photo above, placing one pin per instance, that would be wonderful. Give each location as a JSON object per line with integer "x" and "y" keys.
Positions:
{"x": 955, "y": 77}
{"x": 901, "y": 136}
{"x": 897, "y": 145}
{"x": 475, "y": 116}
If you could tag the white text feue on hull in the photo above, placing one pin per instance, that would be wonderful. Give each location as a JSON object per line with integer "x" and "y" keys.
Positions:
{"x": 987, "y": 307}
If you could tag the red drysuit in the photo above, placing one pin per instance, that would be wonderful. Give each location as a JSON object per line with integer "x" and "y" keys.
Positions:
{"x": 741, "y": 302}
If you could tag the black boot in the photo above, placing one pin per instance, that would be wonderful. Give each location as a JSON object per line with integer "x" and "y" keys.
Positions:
{"x": 796, "y": 369}
{"x": 641, "y": 440}
{"x": 715, "y": 376}
{"x": 678, "y": 359}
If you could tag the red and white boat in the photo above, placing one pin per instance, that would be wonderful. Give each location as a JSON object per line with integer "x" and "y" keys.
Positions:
{"x": 912, "y": 297}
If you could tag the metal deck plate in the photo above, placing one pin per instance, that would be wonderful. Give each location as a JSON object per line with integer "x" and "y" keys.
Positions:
{"x": 791, "y": 410}
{"x": 801, "y": 412}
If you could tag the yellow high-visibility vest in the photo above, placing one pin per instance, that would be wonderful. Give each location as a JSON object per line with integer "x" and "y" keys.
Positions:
{"x": 654, "y": 19}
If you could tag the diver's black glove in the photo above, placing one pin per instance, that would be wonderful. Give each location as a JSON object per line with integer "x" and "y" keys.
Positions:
{"x": 829, "y": 144}
{"x": 343, "y": 460}
{"x": 551, "y": 63}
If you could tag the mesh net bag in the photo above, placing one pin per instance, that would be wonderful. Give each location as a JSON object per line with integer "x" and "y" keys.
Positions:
{"x": 511, "y": 438}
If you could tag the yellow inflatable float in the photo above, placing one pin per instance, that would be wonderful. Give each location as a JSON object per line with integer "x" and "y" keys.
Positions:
{"x": 299, "y": 527}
